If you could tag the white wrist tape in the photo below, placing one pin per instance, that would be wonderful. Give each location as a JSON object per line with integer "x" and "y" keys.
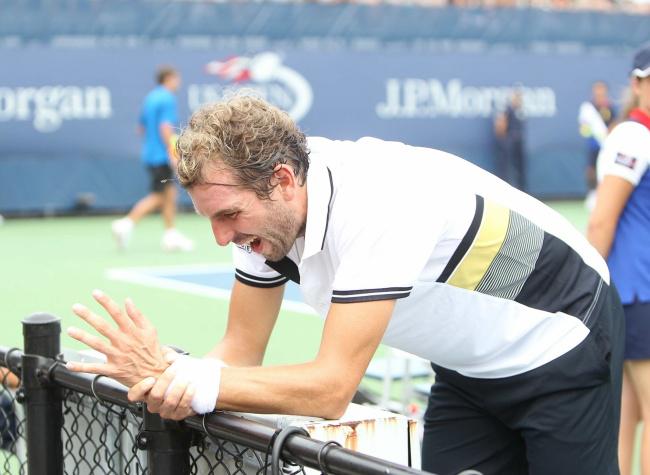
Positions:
{"x": 204, "y": 374}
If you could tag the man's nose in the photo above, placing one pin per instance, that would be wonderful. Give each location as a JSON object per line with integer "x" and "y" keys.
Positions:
{"x": 223, "y": 234}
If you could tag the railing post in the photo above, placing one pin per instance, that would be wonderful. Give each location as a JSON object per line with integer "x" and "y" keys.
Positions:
{"x": 43, "y": 401}
{"x": 167, "y": 445}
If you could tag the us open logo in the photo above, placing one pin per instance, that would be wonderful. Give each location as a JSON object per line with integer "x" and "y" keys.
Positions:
{"x": 263, "y": 75}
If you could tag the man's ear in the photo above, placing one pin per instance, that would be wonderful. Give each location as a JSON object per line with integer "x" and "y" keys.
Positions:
{"x": 285, "y": 180}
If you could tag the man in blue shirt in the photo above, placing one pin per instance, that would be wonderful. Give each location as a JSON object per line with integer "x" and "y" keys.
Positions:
{"x": 158, "y": 119}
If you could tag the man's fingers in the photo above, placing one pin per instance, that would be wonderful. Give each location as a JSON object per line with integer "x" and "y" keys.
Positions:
{"x": 172, "y": 398}
{"x": 114, "y": 310}
{"x": 138, "y": 391}
{"x": 185, "y": 403}
{"x": 92, "y": 341}
{"x": 135, "y": 315}
{"x": 157, "y": 393}
{"x": 184, "y": 407}
{"x": 163, "y": 383}
{"x": 95, "y": 321}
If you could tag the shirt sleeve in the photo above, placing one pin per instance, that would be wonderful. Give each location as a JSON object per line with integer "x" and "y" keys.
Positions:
{"x": 625, "y": 153}
{"x": 251, "y": 269}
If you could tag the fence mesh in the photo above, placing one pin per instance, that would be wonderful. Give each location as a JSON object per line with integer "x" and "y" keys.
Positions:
{"x": 221, "y": 457}
{"x": 100, "y": 438}
{"x": 12, "y": 427}
{"x": 102, "y": 432}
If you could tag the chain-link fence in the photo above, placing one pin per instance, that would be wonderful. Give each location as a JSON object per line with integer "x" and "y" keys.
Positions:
{"x": 12, "y": 426}
{"x": 58, "y": 422}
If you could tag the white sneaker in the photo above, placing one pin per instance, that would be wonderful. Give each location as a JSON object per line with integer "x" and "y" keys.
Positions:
{"x": 173, "y": 240}
{"x": 122, "y": 230}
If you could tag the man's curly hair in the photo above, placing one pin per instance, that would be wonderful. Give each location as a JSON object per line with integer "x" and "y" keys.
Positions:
{"x": 246, "y": 134}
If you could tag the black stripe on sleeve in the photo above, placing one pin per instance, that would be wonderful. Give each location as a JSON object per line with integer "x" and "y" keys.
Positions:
{"x": 341, "y": 293}
{"x": 465, "y": 243}
{"x": 370, "y": 295}
{"x": 259, "y": 279}
{"x": 261, "y": 282}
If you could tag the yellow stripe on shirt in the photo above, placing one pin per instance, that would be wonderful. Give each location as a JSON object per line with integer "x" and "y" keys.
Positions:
{"x": 485, "y": 247}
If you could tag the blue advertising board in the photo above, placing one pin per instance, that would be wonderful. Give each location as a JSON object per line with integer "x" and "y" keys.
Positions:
{"x": 68, "y": 116}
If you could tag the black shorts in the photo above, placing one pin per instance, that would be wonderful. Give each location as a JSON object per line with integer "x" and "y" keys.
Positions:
{"x": 561, "y": 418}
{"x": 637, "y": 331}
{"x": 158, "y": 174}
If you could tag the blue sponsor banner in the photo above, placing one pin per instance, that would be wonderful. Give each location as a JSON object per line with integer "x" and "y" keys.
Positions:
{"x": 68, "y": 116}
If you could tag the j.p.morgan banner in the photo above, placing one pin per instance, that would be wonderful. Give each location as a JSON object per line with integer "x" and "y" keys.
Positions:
{"x": 81, "y": 105}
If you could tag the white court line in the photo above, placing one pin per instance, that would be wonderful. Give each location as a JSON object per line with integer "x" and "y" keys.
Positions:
{"x": 180, "y": 270}
{"x": 147, "y": 276}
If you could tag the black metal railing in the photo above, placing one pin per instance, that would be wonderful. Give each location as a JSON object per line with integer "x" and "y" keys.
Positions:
{"x": 60, "y": 422}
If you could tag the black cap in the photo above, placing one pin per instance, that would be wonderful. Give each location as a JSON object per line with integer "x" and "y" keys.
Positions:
{"x": 641, "y": 64}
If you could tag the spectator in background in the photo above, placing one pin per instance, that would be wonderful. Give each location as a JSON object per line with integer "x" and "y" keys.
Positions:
{"x": 158, "y": 119}
{"x": 509, "y": 130}
{"x": 619, "y": 227}
{"x": 8, "y": 437}
{"x": 595, "y": 118}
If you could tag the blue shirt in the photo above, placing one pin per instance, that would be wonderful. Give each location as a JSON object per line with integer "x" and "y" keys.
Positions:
{"x": 159, "y": 107}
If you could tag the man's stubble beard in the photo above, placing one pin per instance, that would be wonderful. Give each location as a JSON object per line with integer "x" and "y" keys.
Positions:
{"x": 282, "y": 231}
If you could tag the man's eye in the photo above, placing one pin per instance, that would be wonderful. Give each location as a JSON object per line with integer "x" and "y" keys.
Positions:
{"x": 232, "y": 215}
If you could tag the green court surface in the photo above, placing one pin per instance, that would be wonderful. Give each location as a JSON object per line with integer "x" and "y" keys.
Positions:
{"x": 48, "y": 264}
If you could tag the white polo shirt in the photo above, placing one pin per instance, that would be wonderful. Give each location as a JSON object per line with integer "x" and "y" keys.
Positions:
{"x": 489, "y": 281}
